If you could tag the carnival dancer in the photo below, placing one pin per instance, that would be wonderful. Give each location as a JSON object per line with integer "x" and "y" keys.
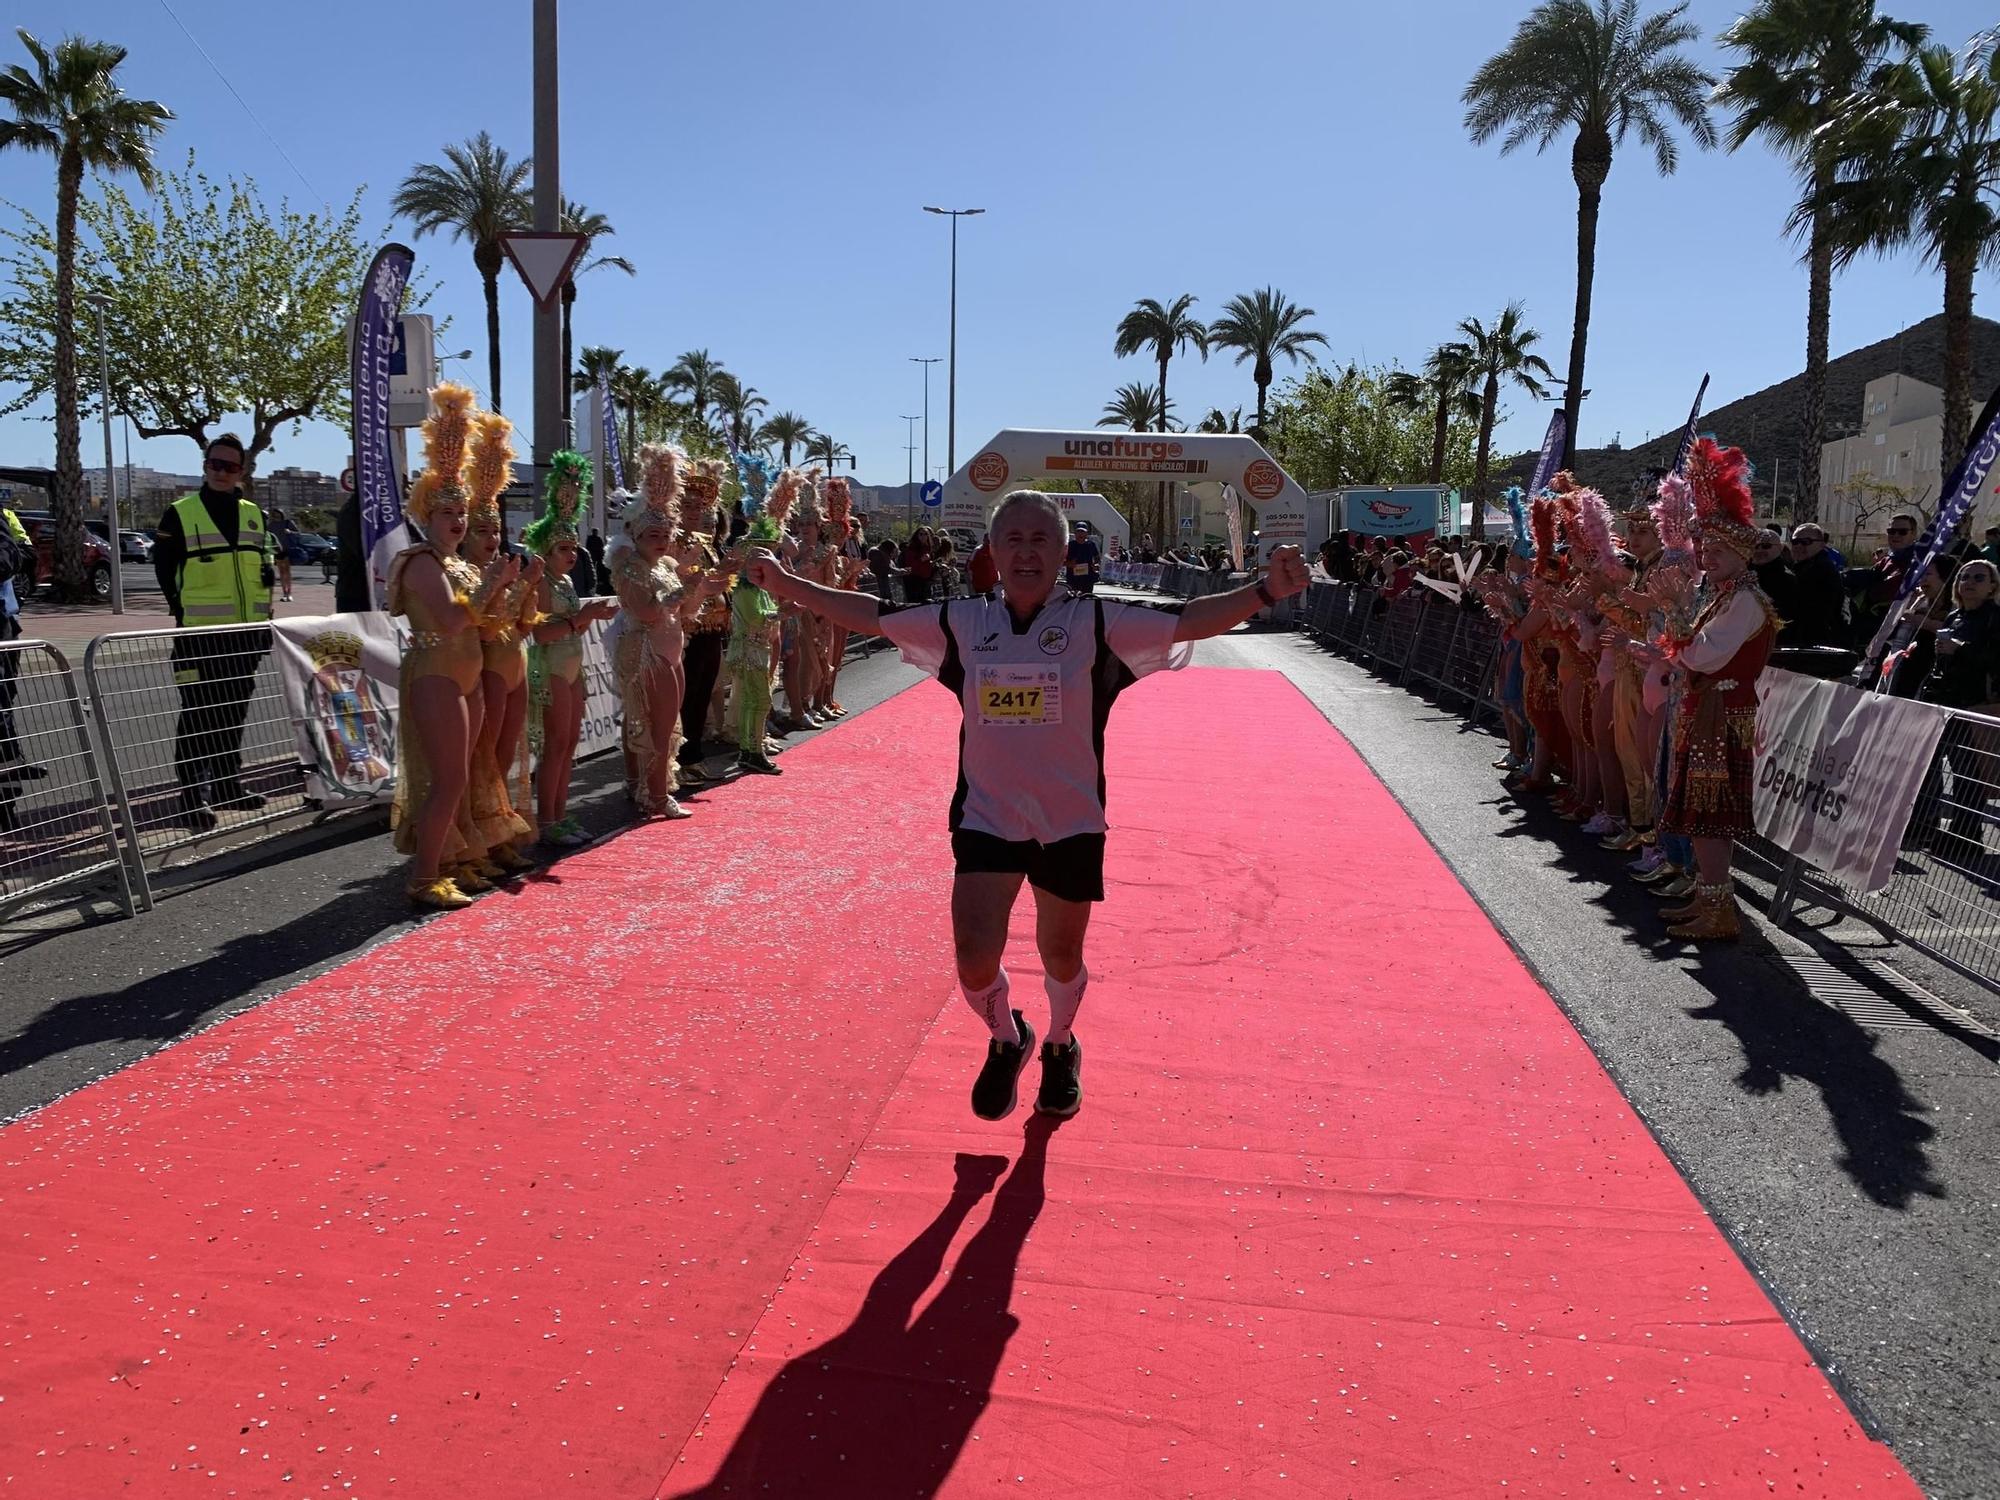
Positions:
{"x": 557, "y": 687}
{"x": 1633, "y": 734}
{"x": 753, "y": 635}
{"x": 1541, "y": 691}
{"x": 812, "y": 558}
{"x": 497, "y": 799}
{"x": 1708, "y": 790}
{"x": 1506, "y": 600}
{"x": 849, "y": 561}
{"x": 443, "y": 595}
{"x": 1030, "y": 803}
{"x": 788, "y": 497}
{"x": 1670, "y": 597}
{"x": 646, "y": 655}
{"x": 708, "y": 631}
{"x": 1604, "y": 570}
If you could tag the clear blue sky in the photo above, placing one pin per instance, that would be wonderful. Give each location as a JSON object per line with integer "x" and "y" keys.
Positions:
{"x": 766, "y": 167}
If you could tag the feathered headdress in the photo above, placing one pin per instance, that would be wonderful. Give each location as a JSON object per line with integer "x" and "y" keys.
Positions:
{"x": 491, "y": 468}
{"x": 445, "y": 432}
{"x": 702, "y": 487}
{"x": 753, "y": 472}
{"x": 784, "y": 494}
{"x": 1542, "y": 518}
{"x": 1722, "y": 505}
{"x": 840, "y": 506}
{"x": 1593, "y": 528}
{"x": 568, "y": 474}
{"x": 1673, "y": 513}
{"x": 808, "y": 502}
{"x": 659, "y": 500}
{"x": 1522, "y": 545}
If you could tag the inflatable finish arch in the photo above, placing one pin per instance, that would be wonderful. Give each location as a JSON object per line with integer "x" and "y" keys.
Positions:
{"x": 1020, "y": 455}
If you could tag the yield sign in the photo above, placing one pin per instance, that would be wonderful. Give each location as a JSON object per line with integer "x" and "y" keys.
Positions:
{"x": 544, "y": 260}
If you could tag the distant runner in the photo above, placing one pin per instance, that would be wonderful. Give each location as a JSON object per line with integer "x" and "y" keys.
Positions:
{"x": 1035, "y": 674}
{"x": 1082, "y": 561}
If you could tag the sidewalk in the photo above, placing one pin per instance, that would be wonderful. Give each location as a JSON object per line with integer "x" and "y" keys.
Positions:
{"x": 71, "y": 627}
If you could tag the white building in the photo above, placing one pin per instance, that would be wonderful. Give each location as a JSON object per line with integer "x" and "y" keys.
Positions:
{"x": 1890, "y": 464}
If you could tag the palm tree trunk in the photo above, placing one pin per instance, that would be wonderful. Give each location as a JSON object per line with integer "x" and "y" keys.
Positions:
{"x": 1438, "y": 432}
{"x": 1263, "y": 378}
{"x": 493, "y": 334}
{"x": 67, "y": 501}
{"x": 1958, "y": 272}
{"x": 1589, "y": 165}
{"x": 1819, "y": 315}
{"x": 1160, "y": 490}
{"x": 1489, "y": 404}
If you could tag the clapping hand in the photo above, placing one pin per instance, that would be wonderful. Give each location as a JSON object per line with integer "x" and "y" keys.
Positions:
{"x": 502, "y": 571}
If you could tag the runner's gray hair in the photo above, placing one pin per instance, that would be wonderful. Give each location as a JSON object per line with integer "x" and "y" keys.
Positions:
{"x": 1037, "y": 498}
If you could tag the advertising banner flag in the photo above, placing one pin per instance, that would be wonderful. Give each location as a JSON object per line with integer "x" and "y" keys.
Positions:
{"x": 1551, "y": 455}
{"x": 1688, "y": 432}
{"x": 608, "y": 416}
{"x": 376, "y": 485}
{"x": 1961, "y": 492}
{"x": 1838, "y": 773}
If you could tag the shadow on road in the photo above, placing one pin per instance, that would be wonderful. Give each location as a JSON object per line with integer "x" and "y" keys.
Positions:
{"x": 885, "y": 1406}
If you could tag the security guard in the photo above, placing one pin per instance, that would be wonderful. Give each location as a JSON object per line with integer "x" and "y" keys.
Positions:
{"x": 212, "y": 557}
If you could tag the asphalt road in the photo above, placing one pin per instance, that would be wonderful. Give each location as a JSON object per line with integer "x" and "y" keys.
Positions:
{"x": 1856, "y": 1168}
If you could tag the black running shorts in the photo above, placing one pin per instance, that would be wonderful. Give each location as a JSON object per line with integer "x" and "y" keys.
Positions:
{"x": 1071, "y": 868}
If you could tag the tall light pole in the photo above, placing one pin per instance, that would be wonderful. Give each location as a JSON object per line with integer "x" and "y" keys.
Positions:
{"x": 951, "y": 373}
{"x": 926, "y": 363}
{"x": 551, "y": 432}
{"x": 99, "y": 301}
{"x": 909, "y": 470}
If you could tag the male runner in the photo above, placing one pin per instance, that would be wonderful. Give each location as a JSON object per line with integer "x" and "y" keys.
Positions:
{"x": 1035, "y": 673}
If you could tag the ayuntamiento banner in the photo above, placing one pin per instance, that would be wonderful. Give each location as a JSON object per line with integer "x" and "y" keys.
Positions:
{"x": 340, "y": 674}
{"x": 1838, "y": 772}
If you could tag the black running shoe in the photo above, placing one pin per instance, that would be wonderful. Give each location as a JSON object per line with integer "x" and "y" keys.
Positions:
{"x": 1062, "y": 1079}
{"x": 997, "y": 1089}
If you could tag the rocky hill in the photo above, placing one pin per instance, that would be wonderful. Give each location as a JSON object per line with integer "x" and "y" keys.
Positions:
{"x": 1769, "y": 423}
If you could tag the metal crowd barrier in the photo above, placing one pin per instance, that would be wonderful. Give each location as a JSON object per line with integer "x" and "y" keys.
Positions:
{"x": 55, "y": 825}
{"x": 1944, "y": 900}
{"x": 197, "y": 737}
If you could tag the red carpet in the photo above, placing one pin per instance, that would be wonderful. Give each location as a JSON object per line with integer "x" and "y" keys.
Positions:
{"x": 1350, "y": 1210}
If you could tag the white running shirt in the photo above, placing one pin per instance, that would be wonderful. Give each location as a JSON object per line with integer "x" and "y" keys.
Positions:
{"x": 1035, "y": 699}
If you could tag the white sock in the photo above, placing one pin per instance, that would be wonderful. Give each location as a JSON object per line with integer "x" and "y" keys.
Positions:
{"x": 990, "y": 1005}
{"x": 1065, "y": 997}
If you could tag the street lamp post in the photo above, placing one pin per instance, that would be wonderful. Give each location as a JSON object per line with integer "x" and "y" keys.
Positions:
{"x": 99, "y": 301}
{"x": 951, "y": 372}
{"x": 926, "y": 363}
{"x": 909, "y": 471}
{"x": 551, "y": 428}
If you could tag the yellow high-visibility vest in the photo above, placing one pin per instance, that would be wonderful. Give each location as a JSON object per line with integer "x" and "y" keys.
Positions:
{"x": 222, "y": 582}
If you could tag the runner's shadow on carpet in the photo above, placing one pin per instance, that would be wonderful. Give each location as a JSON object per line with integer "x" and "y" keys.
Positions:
{"x": 885, "y": 1406}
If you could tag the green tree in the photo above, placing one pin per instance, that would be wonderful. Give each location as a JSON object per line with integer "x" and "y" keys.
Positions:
{"x": 1598, "y": 70}
{"x": 200, "y": 256}
{"x": 695, "y": 374}
{"x": 822, "y": 449}
{"x": 1263, "y": 326}
{"x": 1137, "y": 407}
{"x": 596, "y": 360}
{"x": 1501, "y": 355}
{"x": 788, "y": 430}
{"x": 738, "y": 405}
{"x": 71, "y": 107}
{"x": 1920, "y": 166}
{"x": 1163, "y": 330}
{"x": 1347, "y": 428}
{"x": 1444, "y": 390}
{"x": 576, "y": 219}
{"x": 633, "y": 387}
{"x": 1805, "y": 66}
{"x": 479, "y": 194}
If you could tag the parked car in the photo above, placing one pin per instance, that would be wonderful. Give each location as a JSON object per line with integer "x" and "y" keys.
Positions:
{"x": 41, "y": 528}
{"x": 306, "y": 546}
{"x": 133, "y": 546}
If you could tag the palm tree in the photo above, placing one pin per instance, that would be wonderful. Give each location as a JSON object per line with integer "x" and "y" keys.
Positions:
{"x": 1499, "y": 355}
{"x": 72, "y": 108}
{"x": 821, "y": 448}
{"x": 1444, "y": 389}
{"x": 788, "y": 430}
{"x": 1263, "y": 326}
{"x": 1219, "y": 420}
{"x": 1137, "y": 408}
{"x": 595, "y": 361}
{"x": 1920, "y": 165}
{"x": 696, "y": 374}
{"x": 1598, "y": 70}
{"x": 738, "y": 405}
{"x": 1806, "y": 65}
{"x": 479, "y": 194}
{"x": 1164, "y": 329}
{"x": 576, "y": 219}
{"x": 632, "y": 386}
